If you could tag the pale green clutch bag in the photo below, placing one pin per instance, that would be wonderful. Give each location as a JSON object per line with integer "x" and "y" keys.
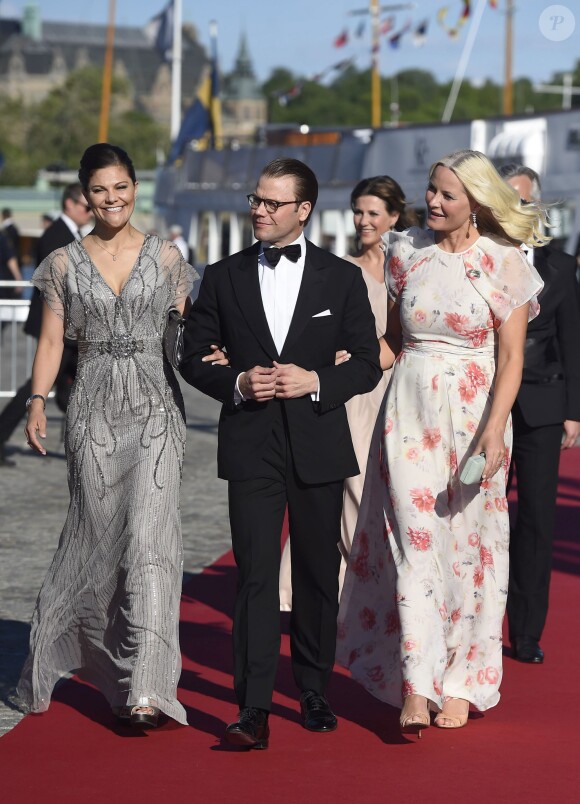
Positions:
{"x": 473, "y": 469}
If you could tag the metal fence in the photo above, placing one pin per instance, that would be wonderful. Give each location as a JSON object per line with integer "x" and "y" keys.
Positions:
{"x": 16, "y": 348}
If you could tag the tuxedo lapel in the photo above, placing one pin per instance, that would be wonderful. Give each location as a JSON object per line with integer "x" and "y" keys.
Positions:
{"x": 244, "y": 276}
{"x": 309, "y": 296}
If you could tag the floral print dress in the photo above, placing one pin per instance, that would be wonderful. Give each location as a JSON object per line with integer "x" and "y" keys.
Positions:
{"x": 425, "y": 591}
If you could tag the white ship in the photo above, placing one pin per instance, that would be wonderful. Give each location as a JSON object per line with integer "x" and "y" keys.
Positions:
{"x": 206, "y": 193}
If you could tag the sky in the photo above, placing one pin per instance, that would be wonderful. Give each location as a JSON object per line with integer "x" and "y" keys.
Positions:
{"x": 300, "y": 34}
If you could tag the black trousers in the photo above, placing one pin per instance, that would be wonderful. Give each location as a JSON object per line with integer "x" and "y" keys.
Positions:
{"x": 536, "y": 454}
{"x": 14, "y": 411}
{"x": 257, "y": 510}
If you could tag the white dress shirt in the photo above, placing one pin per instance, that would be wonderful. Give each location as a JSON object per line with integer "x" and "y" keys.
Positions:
{"x": 279, "y": 287}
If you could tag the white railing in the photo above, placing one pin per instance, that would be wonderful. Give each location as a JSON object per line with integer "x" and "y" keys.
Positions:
{"x": 16, "y": 348}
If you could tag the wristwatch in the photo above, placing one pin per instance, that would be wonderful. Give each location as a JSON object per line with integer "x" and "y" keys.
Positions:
{"x": 35, "y": 396}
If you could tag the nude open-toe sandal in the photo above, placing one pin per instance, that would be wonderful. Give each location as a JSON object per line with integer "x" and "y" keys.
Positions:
{"x": 415, "y": 722}
{"x": 455, "y": 721}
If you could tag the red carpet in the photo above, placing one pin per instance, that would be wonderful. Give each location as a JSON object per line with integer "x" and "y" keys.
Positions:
{"x": 525, "y": 750}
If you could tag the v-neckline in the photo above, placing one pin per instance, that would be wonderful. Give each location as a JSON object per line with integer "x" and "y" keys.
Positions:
{"x": 129, "y": 275}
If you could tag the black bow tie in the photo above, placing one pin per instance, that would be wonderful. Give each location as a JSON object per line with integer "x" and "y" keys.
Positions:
{"x": 274, "y": 253}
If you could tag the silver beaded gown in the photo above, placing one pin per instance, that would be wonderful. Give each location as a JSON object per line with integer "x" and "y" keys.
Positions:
{"x": 109, "y": 605}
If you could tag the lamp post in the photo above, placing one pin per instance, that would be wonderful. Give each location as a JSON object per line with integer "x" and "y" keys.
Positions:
{"x": 566, "y": 89}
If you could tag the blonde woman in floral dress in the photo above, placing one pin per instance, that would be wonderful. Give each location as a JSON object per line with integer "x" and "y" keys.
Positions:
{"x": 425, "y": 592}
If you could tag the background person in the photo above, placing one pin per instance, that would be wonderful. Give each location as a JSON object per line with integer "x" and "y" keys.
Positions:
{"x": 109, "y": 605}
{"x": 11, "y": 232}
{"x": 176, "y": 236}
{"x": 548, "y": 402}
{"x": 424, "y": 596}
{"x": 282, "y": 308}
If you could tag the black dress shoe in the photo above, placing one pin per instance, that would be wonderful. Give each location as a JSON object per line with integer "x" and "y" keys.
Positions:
{"x": 316, "y": 712}
{"x": 4, "y": 461}
{"x": 251, "y": 729}
{"x": 527, "y": 649}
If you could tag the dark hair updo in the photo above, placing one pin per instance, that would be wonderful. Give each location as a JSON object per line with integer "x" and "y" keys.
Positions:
{"x": 391, "y": 194}
{"x": 103, "y": 155}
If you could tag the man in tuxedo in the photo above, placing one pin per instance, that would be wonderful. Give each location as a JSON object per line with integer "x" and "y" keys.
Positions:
{"x": 66, "y": 228}
{"x": 282, "y": 308}
{"x": 546, "y": 419}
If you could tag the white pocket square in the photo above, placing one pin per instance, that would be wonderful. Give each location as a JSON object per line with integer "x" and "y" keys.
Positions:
{"x": 324, "y": 312}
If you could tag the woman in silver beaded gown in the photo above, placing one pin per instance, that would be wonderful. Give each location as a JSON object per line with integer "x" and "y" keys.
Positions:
{"x": 109, "y": 606}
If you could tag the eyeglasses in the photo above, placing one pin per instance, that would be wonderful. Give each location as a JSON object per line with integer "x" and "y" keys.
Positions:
{"x": 82, "y": 204}
{"x": 270, "y": 206}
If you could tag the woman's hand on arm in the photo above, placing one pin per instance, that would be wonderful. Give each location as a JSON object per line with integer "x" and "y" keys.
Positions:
{"x": 390, "y": 343}
{"x": 510, "y": 362}
{"x": 218, "y": 356}
{"x": 44, "y": 370}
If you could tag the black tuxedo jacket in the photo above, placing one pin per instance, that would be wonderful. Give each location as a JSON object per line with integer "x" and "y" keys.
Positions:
{"x": 550, "y": 389}
{"x": 229, "y": 311}
{"x": 55, "y": 236}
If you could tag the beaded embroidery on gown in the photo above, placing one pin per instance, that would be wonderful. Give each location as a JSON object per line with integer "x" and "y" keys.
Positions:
{"x": 109, "y": 605}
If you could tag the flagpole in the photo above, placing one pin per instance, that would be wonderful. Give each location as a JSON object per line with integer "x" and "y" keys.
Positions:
{"x": 176, "y": 58}
{"x": 508, "y": 105}
{"x": 375, "y": 9}
{"x": 375, "y": 74}
{"x": 463, "y": 61}
{"x": 107, "y": 76}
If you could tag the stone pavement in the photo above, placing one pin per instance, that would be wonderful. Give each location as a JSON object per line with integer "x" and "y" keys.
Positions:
{"x": 33, "y": 505}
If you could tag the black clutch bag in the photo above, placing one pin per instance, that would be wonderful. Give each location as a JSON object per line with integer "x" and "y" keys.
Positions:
{"x": 173, "y": 335}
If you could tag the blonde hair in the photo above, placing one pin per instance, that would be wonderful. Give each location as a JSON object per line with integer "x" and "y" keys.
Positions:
{"x": 500, "y": 211}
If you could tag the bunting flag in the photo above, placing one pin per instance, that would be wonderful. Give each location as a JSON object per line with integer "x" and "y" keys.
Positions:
{"x": 342, "y": 39}
{"x": 420, "y": 33}
{"x": 284, "y": 97}
{"x": 387, "y": 25}
{"x": 453, "y": 31}
{"x": 159, "y": 31}
{"x": 360, "y": 29}
{"x": 395, "y": 40}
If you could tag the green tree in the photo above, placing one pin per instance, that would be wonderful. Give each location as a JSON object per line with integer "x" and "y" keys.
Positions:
{"x": 13, "y": 129}
{"x": 66, "y": 121}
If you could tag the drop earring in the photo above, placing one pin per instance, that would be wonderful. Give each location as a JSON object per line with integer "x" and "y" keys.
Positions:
{"x": 474, "y": 219}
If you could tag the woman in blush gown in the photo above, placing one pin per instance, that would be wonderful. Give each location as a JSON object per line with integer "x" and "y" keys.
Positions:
{"x": 109, "y": 605}
{"x": 424, "y": 598}
{"x": 378, "y": 205}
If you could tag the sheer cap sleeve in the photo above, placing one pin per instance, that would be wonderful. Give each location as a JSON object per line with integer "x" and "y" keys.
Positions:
{"x": 182, "y": 275}
{"x": 50, "y": 279}
{"x": 504, "y": 278}
{"x": 403, "y": 250}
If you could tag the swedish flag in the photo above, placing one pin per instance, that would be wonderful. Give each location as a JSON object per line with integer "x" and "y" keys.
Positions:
{"x": 202, "y": 121}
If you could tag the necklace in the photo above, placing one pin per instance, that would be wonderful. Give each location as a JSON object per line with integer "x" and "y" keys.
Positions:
{"x": 114, "y": 256}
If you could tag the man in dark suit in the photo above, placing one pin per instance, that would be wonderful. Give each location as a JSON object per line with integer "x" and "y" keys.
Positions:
{"x": 546, "y": 419}
{"x": 10, "y": 231}
{"x": 66, "y": 228}
{"x": 283, "y": 438}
